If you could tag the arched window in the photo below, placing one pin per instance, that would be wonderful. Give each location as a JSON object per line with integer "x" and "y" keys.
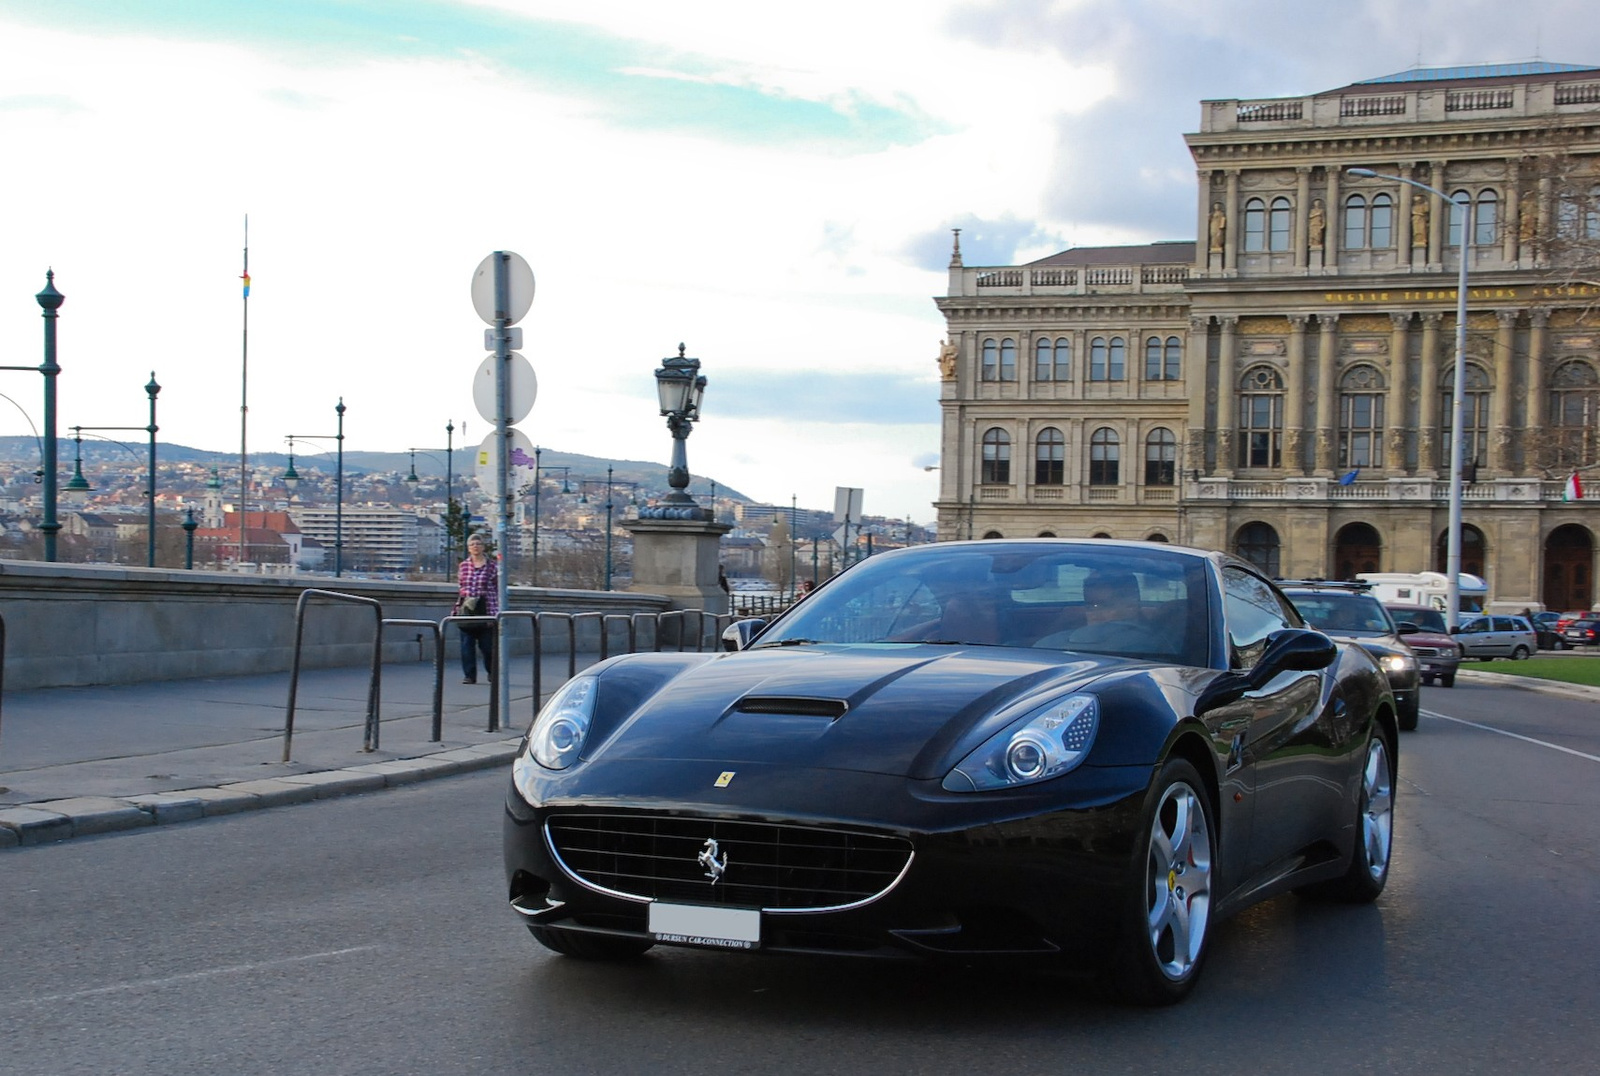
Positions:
{"x": 1474, "y": 415}
{"x": 1591, "y": 215}
{"x": 1361, "y": 399}
{"x": 1008, "y": 360}
{"x": 1163, "y": 362}
{"x": 1052, "y": 361}
{"x": 996, "y": 457}
{"x": 991, "y": 360}
{"x": 1119, "y": 359}
{"x": 1381, "y": 234}
{"x": 1574, "y": 415}
{"x": 1473, "y": 552}
{"x": 1160, "y": 458}
{"x": 1278, "y": 225}
{"x": 1105, "y": 457}
{"x": 1099, "y": 359}
{"x": 1486, "y": 224}
{"x": 1258, "y": 544}
{"x": 1261, "y": 418}
{"x": 1356, "y": 548}
{"x": 1049, "y": 458}
{"x": 1255, "y": 225}
{"x": 1355, "y": 222}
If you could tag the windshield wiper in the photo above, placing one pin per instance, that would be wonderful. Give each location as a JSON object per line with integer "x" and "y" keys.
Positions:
{"x": 787, "y": 642}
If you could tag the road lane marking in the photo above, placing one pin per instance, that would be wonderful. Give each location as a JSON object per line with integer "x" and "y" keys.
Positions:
{"x": 188, "y": 977}
{"x": 1513, "y": 735}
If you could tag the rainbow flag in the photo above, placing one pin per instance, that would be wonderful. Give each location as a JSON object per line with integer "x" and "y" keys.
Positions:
{"x": 246, "y": 278}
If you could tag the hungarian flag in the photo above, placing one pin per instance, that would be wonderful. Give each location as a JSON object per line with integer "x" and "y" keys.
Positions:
{"x": 1574, "y": 490}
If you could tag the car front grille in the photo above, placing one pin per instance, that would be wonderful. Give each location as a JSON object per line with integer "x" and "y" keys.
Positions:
{"x": 1433, "y": 652}
{"x": 765, "y": 865}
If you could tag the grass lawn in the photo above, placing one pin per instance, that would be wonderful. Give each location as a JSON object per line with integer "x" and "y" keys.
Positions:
{"x": 1571, "y": 669}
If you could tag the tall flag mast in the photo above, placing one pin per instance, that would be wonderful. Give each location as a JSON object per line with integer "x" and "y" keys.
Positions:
{"x": 244, "y": 402}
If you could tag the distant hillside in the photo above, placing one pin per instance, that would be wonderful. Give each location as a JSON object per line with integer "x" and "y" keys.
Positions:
{"x": 653, "y": 476}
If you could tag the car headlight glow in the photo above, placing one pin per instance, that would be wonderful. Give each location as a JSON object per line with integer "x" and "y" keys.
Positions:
{"x": 562, "y": 725}
{"x": 1396, "y": 663}
{"x": 1046, "y": 742}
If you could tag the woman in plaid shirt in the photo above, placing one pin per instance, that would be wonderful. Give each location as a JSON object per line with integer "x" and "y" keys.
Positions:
{"x": 478, "y": 577}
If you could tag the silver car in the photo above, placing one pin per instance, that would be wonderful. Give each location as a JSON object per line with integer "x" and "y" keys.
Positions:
{"x": 1497, "y": 636}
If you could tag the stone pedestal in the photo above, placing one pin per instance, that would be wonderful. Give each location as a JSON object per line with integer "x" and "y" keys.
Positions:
{"x": 679, "y": 558}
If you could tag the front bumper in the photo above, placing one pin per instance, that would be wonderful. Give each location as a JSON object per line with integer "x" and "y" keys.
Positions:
{"x": 1005, "y": 876}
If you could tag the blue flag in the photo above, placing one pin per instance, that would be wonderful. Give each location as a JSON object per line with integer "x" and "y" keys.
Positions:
{"x": 1349, "y": 478}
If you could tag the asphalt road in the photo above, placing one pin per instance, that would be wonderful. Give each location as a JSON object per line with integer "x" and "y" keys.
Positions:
{"x": 368, "y": 935}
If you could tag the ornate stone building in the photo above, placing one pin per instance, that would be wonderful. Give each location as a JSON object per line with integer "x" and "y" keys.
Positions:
{"x": 1282, "y": 387}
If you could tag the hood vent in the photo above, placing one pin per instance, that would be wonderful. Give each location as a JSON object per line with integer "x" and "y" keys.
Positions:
{"x": 832, "y": 709}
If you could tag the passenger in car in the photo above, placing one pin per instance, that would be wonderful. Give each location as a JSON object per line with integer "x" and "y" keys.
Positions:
{"x": 1111, "y": 616}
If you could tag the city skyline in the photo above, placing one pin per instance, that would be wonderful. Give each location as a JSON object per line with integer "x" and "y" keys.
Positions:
{"x": 773, "y": 193}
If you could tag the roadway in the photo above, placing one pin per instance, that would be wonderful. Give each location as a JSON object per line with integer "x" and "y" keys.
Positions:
{"x": 369, "y": 934}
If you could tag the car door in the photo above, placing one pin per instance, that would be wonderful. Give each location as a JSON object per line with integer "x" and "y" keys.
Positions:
{"x": 1280, "y": 756}
{"x": 1476, "y": 639}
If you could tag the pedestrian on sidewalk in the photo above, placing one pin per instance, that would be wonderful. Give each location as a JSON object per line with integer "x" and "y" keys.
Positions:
{"x": 478, "y": 583}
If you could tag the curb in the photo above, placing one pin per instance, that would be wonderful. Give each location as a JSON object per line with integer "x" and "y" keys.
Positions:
{"x": 1532, "y": 683}
{"x": 50, "y": 821}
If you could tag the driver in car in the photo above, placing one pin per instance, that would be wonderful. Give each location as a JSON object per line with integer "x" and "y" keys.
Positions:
{"x": 1111, "y": 616}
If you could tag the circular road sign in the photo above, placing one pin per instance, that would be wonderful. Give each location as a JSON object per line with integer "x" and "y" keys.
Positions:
{"x": 519, "y": 286}
{"x": 521, "y": 388}
{"x": 486, "y": 462}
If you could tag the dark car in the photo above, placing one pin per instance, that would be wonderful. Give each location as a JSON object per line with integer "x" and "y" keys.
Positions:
{"x": 1582, "y": 633}
{"x": 1547, "y": 633}
{"x": 1046, "y": 749}
{"x": 1438, "y": 654}
{"x": 1348, "y": 611}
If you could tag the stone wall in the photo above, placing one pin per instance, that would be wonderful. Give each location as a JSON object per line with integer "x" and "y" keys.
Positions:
{"x": 79, "y": 624}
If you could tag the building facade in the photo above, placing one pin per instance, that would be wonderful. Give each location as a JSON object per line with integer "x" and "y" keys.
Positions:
{"x": 1282, "y": 387}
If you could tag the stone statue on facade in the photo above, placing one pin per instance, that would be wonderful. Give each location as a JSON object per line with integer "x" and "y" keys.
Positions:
{"x": 1317, "y": 225}
{"x": 1528, "y": 222}
{"x": 947, "y": 360}
{"x": 1219, "y": 227}
{"x": 1419, "y": 221}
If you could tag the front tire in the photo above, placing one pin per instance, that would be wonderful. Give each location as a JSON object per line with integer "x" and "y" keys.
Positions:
{"x": 582, "y": 946}
{"x": 1369, "y": 862}
{"x": 1448, "y": 680}
{"x": 1167, "y": 916}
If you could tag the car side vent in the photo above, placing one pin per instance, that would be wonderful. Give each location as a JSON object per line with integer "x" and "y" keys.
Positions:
{"x": 833, "y": 709}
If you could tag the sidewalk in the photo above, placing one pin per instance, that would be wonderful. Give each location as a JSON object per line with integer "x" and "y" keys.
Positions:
{"x": 80, "y": 761}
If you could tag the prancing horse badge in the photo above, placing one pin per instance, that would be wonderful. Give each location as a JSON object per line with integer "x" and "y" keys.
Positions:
{"x": 724, "y": 779}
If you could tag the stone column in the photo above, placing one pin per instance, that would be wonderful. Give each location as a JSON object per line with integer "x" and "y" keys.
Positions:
{"x": 1227, "y": 395}
{"x": 1327, "y": 397}
{"x": 1230, "y": 238}
{"x": 1196, "y": 377}
{"x": 1500, "y": 461}
{"x": 1403, "y": 224}
{"x": 1294, "y": 406}
{"x": 1512, "y": 224}
{"x": 1533, "y": 413}
{"x": 1334, "y": 241}
{"x": 1302, "y": 208}
{"x": 1395, "y": 454}
{"x": 1436, "y": 217}
{"x": 1202, "y": 249}
{"x": 1428, "y": 404}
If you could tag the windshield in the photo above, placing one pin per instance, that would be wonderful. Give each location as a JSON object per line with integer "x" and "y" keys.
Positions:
{"x": 1095, "y": 597}
{"x": 1342, "y": 614}
{"x": 1426, "y": 619}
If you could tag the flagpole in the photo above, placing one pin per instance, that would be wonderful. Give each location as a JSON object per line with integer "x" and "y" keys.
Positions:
{"x": 244, "y": 403}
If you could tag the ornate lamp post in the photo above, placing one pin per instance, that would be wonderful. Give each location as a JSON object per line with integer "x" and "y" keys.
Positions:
{"x": 78, "y": 486}
{"x": 680, "y": 387}
{"x": 189, "y": 526}
{"x": 50, "y": 301}
{"x": 1452, "y": 568}
{"x": 449, "y": 486}
{"x": 292, "y": 479}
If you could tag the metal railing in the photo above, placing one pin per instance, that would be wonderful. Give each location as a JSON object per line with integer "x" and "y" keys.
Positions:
{"x": 294, "y": 666}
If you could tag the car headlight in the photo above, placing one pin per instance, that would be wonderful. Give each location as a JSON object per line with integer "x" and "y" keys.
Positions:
{"x": 1397, "y": 663}
{"x": 562, "y": 725}
{"x": 1046, "y": 742}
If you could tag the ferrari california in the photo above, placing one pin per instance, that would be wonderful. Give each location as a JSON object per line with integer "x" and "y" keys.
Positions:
{"x": 1087, "y": 752}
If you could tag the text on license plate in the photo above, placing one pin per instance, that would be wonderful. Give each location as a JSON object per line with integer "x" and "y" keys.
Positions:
{"x": 697, "y": 924}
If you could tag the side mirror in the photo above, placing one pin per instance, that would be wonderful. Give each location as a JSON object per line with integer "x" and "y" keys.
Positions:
{"x": 1290, "y": 650}
{"x": 1455, "y": 629}
{"x": 737, "y": 636}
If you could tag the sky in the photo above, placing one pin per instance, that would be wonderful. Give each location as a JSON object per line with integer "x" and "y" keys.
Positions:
{"x": 772, "y": 186}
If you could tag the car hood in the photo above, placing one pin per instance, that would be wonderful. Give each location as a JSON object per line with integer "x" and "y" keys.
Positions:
{"x": 1430, "y": 638}
{"x": 891, "y": 709}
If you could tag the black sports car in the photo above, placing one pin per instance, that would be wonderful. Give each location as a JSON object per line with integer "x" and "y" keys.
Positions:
{"x": 1081, "y": 750}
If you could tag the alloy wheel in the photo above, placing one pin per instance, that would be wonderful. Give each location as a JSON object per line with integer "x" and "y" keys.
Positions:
{"x": 1178, "y": 885}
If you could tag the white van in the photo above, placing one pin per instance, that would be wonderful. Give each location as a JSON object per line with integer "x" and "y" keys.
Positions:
{"x": 1427, "y": 588}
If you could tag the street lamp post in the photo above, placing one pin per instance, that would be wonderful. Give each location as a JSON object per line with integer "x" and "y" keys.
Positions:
{"x": 292, "y": 479}
{"x": 449, "y": 536}
{"x": 1453, "y": 540}
{"x": 189, "y": 524}
{"x": 50, "y": 301}
{"x": 680, "y": 386}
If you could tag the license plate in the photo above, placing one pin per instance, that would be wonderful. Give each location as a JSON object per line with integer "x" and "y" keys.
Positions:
{"x": 697, "y": 924}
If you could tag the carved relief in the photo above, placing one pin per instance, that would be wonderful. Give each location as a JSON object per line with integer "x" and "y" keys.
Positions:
{"x": 1273, "y": 326}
